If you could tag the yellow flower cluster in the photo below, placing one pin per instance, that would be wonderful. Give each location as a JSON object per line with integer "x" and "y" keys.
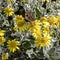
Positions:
{"x": 12, "y": 45}
{"x": 41, "y": 30}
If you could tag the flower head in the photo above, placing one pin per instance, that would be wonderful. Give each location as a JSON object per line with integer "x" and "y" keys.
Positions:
{"x": 4, "y": 56}
{"x": 13, "y": 45}
{"x": 43, "y": 41}
{"x": 21, "y": 23}
{"x": 9, "y": 11}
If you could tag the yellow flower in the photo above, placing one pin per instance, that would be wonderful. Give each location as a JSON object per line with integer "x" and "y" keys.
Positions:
{"x": 53, "y": 21}
{"x": 2, "y": 40}
{"x": 36, "y": 33}
{"x": 13, "y": 45}
{"x": 34, "y": 25}
{"x": 4, "y": 56}
{"x": 2, "y": 32}
{"x": 43, "y": 41}
{"x": 21, "y": 23}
{"x": 45, "y": 0}
{"x": 9, "y": 11}
{"x": 22, "y": 26}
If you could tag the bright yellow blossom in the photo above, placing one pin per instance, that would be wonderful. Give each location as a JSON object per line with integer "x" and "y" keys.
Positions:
{"x": 4, "y": 56}
{"x": 2, "y": 32}
{"x": 9, "y": 11}
{"x": 21, "y": 23}
{"x": 43, "y": 41}
{"x": 2, "y": 40}
{"x": 22, "y": 26}
{"x": 13, "y": 45}
{"x": 34, "y": 25}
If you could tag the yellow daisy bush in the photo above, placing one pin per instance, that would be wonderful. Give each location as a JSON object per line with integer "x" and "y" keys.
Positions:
{"x": 21, "y": 23}
{"x": 5, "y": 56}
{"x": 13, "y": 45}
{"x": 31, "y": 22}
{"x": 41, "y": 30}
{"x": 22, "y": 26}
{"x": 9, "y": 11}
